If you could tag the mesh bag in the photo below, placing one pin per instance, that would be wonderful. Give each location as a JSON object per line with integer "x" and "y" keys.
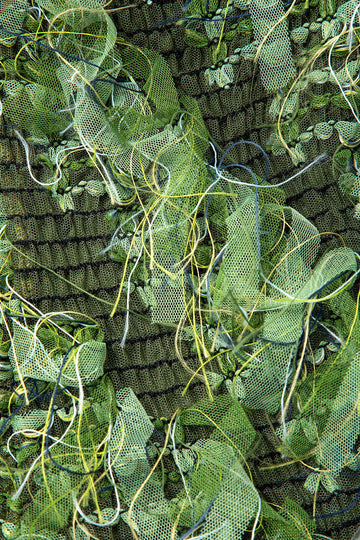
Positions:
{"x": 179, "y": 270}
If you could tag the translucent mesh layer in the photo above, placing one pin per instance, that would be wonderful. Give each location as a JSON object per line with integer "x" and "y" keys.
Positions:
{"x": 261, "y": 255}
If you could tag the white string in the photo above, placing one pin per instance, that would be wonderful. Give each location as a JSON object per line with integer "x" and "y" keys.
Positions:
{"x": 120, "y": 228}
{"x": 126, "y": 328}
{"x": 118, "y": 506}
{"x": 66, "y": 129}
{"x": 27, "y": 156}
{"x": 63, "y": 149}
{"x": 42, "y": 315}
{"x": 289, "y": 372}
{"x": 172, "y": 436}
{"x": 253, "y": 488}
{"x": 110, "y": 471}
{"x": 81, "y": 389}
{"x": 28, "y": 432}
{"x": 114, "y": 196}
{"x": 332, "y": 334}
{"x": 25, "y": 481}
{"x": 206, "y": 535}
{"x": 271, "y": 186}
{"x": 336, "y": 79}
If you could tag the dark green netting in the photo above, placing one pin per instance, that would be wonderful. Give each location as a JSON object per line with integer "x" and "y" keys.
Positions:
{"x": 61, "y": 240}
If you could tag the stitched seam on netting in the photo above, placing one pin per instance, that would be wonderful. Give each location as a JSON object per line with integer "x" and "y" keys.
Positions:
{"x": 254, "y": 158}
{"x": 74, "y": 296}
{"x": 332, "y": 497}
{"x": 89, "y": 264}
{"x": 281, "y": 174}
{"x": 341, "y": 527}
{"x": 19, "y": 164}
{"x": 221, "y": 143}
{"x": 58, "y": 216}
{"x": 78, "y": 240}
{"x": 19, "y": 190}
{"x": 215, "y": 91}
{"x": 246, "y": 135}
{"x": 263, "y": 427}
{"x": 8, "y": 138}
{"x": 243, "y": 135}
{"x": 270, "y": 455}
{"x": 142, "y": 339}
{"x": 169, "y": 390}
{"x": 69, "y": 296}
{"x": 340, "y": 211}
{"x": 23, "y": 190}
{"x": 234, "y": 113}
{"x": 273, "y": 485}
{"x": 209, "y": 91}
{"x": 158, "y": 2}
{"x": 296, "y": 480}
{"x": 73, "y": 240}
{"x": 166, "y": 27}
{"x": 321, "y": 189}
{"x": 122, "y": 312}
{"x": 202, "y": 70}
{"x": 104, "y": 316}
{"x": 141, "y": 367}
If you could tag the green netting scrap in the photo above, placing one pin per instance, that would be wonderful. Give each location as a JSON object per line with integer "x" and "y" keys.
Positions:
{"x": 211, "y": 471}
{"x": 11, "y": 20}
{"x": 221, "y": 493}
{"x": 290, "y": 523}
{"x": 149, "y": 510}
{"x": 219, "y": 255}
{"x": 30, "y": 358}
{"x": 271, "y": 32}
{"x": 335, "y": 448}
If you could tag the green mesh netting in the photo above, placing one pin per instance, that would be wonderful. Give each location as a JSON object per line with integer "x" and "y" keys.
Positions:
{"x": 179, "y": 270}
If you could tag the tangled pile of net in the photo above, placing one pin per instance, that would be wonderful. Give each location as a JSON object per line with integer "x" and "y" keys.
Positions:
{"x": 214, "y": 253}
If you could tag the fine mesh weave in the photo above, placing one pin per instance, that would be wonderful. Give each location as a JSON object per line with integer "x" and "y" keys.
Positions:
{"x": 240, "y": 113}
{"x": 70, "y": 244}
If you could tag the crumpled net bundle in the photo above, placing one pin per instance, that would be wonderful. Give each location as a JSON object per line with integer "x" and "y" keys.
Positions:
{"x": 179, "y": 217}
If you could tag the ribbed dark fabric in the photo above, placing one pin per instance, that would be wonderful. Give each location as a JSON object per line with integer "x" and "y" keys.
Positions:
{"x": 69, "y": 244}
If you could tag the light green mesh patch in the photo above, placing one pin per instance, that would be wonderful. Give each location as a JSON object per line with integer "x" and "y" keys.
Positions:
{"x": 233, "y": 272}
